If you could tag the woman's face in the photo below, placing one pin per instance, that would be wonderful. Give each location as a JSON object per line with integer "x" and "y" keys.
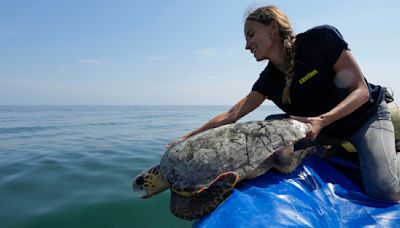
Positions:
{"x": 258, "y": 39}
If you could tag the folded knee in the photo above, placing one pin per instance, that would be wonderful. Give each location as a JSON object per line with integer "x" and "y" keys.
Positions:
{"x": 392, "y": 195}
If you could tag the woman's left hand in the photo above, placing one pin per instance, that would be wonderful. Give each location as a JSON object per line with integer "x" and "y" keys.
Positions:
{"x": 317, "y": 123}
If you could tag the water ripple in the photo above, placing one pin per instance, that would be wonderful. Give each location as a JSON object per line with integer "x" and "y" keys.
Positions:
{"x": 72, "y": 166}
{"x": 34, "y": 129}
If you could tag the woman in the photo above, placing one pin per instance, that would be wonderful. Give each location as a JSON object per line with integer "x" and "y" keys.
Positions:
{"x": 314, "y": 78}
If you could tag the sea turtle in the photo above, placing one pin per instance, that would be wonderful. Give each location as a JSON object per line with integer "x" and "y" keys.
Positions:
{"x": 202, "y": 170}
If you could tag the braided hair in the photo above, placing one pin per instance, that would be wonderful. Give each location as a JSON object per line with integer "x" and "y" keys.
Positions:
{"x": 266, "y": 15}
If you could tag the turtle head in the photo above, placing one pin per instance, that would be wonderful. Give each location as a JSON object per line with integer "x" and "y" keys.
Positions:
{"x": 149, "y": 182}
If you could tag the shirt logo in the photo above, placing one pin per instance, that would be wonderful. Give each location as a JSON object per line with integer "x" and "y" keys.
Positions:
{"x": 308, "y": 76}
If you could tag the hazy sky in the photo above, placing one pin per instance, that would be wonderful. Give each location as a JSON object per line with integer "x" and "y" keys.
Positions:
{"x": 166, "y": 52}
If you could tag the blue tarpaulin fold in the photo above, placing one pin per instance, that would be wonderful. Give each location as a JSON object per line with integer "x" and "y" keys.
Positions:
{"x": 317, "y": 194}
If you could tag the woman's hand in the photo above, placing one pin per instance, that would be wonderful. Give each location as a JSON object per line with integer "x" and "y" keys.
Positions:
{"x": 174, "y": 142}
{"x": 240, "y": 109}
{"x": 317, "y": 123}
{"x": 349, "y": 74}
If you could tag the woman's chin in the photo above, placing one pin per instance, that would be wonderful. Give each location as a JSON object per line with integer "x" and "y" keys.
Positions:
{"x": 259, "y": 58}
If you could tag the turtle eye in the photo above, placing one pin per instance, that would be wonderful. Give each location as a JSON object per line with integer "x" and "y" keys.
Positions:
{"x": 140, "y": 180}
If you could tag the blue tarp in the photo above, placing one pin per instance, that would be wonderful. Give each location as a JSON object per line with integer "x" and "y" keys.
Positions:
{"x": 317, "y": 194}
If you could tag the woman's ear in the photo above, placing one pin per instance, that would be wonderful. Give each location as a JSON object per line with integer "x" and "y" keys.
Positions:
{"x": 274, "y": 28}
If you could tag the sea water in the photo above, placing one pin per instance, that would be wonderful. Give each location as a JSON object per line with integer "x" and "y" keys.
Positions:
{"x": 72, "y": 166}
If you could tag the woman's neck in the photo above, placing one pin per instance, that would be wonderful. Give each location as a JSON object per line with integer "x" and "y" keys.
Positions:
{"x": 279, "y": 61}
{"x": 278, "y": 56}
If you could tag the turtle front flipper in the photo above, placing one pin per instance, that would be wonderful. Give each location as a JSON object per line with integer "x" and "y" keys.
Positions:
{"x": 150, "y": 182}
{"x": 206, "y": 200}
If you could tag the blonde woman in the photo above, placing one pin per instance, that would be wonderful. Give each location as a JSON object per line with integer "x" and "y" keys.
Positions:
{"x": 314, "y": 78}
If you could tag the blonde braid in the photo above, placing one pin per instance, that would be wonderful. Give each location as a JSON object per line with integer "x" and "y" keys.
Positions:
{"x": 288, "y": 45}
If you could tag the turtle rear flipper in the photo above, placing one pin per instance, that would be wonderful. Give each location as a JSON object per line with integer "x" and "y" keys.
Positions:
{"x": 206, "y": 200}
{"x": 286, "y": 160}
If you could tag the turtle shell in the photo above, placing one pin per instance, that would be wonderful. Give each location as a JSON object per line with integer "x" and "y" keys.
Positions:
{"x": 193, "y": 164}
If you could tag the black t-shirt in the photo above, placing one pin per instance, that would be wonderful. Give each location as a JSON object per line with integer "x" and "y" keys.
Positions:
{"x": 314, "y": 90}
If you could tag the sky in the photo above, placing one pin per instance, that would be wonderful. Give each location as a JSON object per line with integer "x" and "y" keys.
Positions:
{"x": 97, "y": 52}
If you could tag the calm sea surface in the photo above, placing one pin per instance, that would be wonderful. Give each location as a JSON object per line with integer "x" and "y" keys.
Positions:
{"x": 72, "y": 166}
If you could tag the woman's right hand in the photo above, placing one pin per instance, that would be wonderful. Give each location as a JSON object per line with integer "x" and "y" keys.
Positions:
{"x": 244, "y": 106}
{"x": 174, "y": 142}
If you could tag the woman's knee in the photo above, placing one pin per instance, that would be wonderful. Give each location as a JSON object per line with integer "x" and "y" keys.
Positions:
{"x": 388, "y": 193}
{"x": 395, "y": 196}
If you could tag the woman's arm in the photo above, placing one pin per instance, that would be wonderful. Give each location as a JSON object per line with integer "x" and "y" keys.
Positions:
{"x": 240, "y": 109}
{"x": 348, "y": 75}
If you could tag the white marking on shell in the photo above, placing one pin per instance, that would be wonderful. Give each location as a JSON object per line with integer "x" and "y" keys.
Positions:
{"x": 303, "y": 127}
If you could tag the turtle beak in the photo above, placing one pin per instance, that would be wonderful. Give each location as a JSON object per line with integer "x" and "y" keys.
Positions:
{"x": 149, "y": 182}
{"x": 138, "y": 186}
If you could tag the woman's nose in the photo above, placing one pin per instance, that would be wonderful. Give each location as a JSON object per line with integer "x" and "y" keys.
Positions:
{"x": 247, "y": 47}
